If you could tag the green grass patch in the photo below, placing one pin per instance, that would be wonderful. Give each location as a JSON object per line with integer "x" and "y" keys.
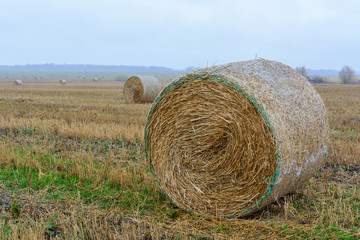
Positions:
{"x": 61, "y": 179}
{"x": 57, "y": 186}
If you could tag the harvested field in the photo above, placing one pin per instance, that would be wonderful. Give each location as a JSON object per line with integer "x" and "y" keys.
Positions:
{"x": 72, "y": 165}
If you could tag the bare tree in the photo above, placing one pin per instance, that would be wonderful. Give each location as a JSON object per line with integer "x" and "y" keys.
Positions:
{"x": 347, "y": 75}
{"x": 302, "y": 70}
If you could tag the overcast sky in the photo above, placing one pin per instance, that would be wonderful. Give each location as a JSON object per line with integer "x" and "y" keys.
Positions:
{"x": 180, "y": 33}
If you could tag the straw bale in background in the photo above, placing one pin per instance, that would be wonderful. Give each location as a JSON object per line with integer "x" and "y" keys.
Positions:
{"x": 141, "y": 89}
{"x": 18, "y": 82}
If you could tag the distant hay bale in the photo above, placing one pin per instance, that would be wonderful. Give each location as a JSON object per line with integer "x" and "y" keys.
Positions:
{"x": 62, "y": 81}
{"x": 95, "y": 79}
{"x": 141, "y": 89}
{"x": 18, "y": 82}
{"x": 230, "y": 139}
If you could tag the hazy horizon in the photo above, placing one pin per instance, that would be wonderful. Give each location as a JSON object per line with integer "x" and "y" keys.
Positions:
{"x": 119, "y": 67}
{"x": 178, "y": 34}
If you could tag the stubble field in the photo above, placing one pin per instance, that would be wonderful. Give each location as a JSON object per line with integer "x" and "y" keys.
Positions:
{"x": 72, "y": 166}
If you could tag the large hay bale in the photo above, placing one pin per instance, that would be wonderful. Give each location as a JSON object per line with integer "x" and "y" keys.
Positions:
{"x": 62, "y": 81}
{"x": 141, "y": 89}
{"x": 18, "y": 82}
{"x": 230, "y": 139}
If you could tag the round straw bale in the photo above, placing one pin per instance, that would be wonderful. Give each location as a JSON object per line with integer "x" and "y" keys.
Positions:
{"x": 141, "y": 89}
{"x": 18, "y": 82}
{"x": 62, "y": 81}
{"x": 230, "y": 139}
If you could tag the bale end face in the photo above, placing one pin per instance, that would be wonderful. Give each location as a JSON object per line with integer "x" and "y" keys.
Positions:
{"x": 133, "y": 90}
{"x": 199, "y": 140}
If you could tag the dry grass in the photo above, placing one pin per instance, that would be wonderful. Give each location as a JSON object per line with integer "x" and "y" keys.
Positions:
{"x": 58, "y": 181}
{"x": 89, "y": 111}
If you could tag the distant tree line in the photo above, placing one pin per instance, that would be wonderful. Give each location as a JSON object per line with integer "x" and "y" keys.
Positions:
{"x": 315, "y": 79}
{"x": 346, "y": 75}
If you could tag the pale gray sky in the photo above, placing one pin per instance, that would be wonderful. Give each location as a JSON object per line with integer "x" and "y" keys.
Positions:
{"x": 319, "y": 34}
